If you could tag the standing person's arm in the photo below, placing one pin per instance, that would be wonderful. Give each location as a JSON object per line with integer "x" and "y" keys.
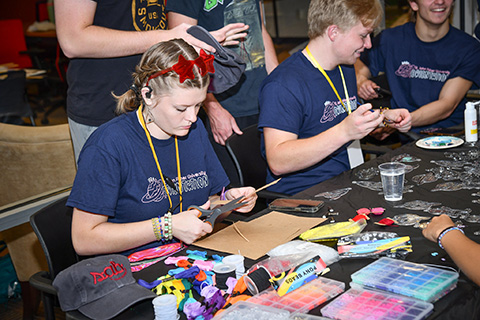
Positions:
{"x": 79, "y": 38}
{"x": 226, "y": 36}
{"x": 463, "y": 251}
{"x": 271, "y": 60}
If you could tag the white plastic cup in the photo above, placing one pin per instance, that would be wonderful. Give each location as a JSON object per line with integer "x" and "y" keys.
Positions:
{"x": 165, "y": 307}
{"x": 393, "y": 177}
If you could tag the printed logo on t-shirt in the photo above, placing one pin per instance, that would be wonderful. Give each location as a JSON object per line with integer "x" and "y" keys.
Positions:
{"x": 334, "y": 108}
{"x": 156, "y": 190}
{"x": 149, "y": 15}
{"x": 407, "y": 70}
{"x": 211, "y": 4}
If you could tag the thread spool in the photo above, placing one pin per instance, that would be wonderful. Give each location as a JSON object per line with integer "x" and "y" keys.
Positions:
{"x": 222, "y": 272}
{"x": 258, "y": 280}
{"x": 237, "y": 260}
{"x": 165, "y": 307}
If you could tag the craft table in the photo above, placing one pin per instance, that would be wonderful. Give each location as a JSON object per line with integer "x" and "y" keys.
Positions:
{"x": 461, "y": 303}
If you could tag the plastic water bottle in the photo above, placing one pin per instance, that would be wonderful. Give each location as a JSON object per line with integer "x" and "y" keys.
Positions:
{"x": 471, "y": 135}
{"x": 251, "y": 48}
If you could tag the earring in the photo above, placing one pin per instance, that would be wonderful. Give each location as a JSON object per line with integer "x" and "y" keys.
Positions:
{"x": 149, "y": 116}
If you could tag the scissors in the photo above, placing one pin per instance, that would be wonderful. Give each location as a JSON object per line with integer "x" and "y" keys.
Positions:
{"x": 212, "y": 214}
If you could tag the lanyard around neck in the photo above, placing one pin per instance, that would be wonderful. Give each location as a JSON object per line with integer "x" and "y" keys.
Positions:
{"x": 149, "y": 138}
{"x": 317, "y": 65}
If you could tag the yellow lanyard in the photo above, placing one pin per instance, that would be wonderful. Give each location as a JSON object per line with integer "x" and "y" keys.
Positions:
{"x": 149, "y": 138}
{"x": 347, "y": 97}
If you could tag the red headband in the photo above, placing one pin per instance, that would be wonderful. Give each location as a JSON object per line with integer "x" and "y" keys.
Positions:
{"x": 184, "y": 67}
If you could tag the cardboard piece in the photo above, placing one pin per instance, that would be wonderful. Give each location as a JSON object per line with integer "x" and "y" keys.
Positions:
{"x": 259, "y": 235}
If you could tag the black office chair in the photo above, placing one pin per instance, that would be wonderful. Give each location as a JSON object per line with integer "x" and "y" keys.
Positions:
{"x": 251, "y": 166}
{"x": 13, "y": 98}
{"x": 53, "y": 226}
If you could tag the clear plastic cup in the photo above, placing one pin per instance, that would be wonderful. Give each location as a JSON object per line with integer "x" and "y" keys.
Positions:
{"x": 393, "y": 177}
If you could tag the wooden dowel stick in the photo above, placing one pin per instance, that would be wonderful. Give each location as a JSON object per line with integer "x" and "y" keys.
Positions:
{"x": 268, "y": 185}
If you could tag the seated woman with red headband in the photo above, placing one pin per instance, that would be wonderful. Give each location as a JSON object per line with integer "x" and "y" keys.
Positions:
{"x": 139, "y": 173}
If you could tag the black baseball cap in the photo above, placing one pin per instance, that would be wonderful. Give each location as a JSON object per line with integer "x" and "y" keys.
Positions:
{"x": 229, "y": 66}
{"x": 100, "y": 287}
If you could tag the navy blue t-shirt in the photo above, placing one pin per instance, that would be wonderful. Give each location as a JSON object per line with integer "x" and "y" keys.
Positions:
{"x": 117, "y": 175}
{"x": 92, "y": 81}
{"x": 417, "y": 70}
{"x": 242, "y": 99}
{"x": 297, "y": 98}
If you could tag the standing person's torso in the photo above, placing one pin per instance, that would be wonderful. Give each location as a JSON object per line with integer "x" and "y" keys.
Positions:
{"x": 242, "y": 99}
{"x": 92, "y": 81}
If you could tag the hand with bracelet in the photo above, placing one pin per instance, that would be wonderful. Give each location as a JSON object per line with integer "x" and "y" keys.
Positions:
{"x": 463, "y": 251}
{"x": 437, "y": 226}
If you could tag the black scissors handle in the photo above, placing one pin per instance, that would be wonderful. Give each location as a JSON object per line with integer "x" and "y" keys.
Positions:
{"x": 211, "y": 215}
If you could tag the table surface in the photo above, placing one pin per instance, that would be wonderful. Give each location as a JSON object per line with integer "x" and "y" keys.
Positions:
{"x": 464, "y": 300}
{"x": 19, "y": 212}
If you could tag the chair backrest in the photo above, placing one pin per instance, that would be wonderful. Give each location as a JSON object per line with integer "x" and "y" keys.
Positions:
{"x": 12, "y": 41}
{"x": 34, "y": 160}
{"x": 53, "y": 227}
{"x": 245, "y": 152}
{"x": 13, "y": 95}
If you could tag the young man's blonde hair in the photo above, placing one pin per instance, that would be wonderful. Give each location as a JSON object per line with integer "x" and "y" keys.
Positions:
{"x": 343, "y": 13}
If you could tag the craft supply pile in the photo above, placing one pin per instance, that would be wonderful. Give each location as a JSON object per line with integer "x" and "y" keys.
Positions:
{"x": 285, "y": 273}
{"x": 293, "y": 279}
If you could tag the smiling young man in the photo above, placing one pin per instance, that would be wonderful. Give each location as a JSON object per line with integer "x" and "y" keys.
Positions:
{"x": 308, "y": 104}
{"x": 429, "y": 64}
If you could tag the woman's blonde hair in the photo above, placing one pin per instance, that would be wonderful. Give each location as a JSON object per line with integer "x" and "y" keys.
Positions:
{"x": 160, "y": 56}
{"x": 343, "y": 13}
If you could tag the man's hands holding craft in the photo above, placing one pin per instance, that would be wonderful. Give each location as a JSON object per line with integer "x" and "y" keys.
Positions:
{"x": 361, "y": 121}
{"x": 397, "y": 119}
{"x": 366, "y": 120}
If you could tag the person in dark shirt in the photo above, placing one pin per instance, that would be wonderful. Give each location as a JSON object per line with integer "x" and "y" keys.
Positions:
{"x": 140, "y": 172}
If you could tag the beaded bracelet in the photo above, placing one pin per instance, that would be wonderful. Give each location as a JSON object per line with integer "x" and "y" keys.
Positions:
{"x": 168, "y": 232}
{"x": 382, "y": 110}
{"x": 157, "y": 229}
{"x": 162, "y": 234}
{"x": 444, "y": 232}
{"x": 164, "y": 228}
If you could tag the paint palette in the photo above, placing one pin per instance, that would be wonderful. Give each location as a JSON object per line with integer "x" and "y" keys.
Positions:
{"x": 407, "y": 278}
{"x": 364, "y": 303}
{"x": 302, "y": 299}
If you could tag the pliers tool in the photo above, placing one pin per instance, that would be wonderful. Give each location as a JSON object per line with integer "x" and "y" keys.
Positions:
{"x": 210, "y": 215}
